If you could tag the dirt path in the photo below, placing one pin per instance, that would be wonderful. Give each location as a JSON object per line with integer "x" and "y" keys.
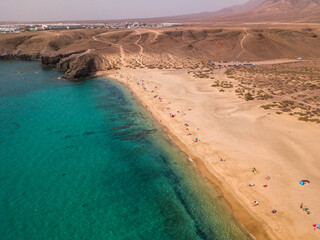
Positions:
{"x": 122, "y": 56}
{"x": 241, "y": 43}
{"x": 121, "y": 50}
{"x": 275, "y": 61}
{"x": 156, "y": 34}
{"x": 140, "y": 61}
{"x": 170, "y": 56}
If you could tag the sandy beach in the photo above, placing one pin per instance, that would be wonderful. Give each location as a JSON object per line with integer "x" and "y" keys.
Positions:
{"x": 282, "y": 149}
{"x": 234, "y": 84}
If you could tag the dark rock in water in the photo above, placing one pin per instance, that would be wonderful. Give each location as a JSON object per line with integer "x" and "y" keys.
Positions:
{"x": 104, "y": 106}
{"x": 68, "y": 147}
{"x": 134, "y": 114}
{"x": 63, "y": 174}
{"x": 121, "y": 127}
{"x": 123, "y": 133}
{"x": 143, "y": 134}
{"x": 68, "y": 136}
{"x": 132, "y": 137}
{"x": 87, "y": 133}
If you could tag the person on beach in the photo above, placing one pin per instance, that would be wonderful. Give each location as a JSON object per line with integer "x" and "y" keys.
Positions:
{"x": 316, "y": 226}
{"x": 303, "y": 182}
{"x": 305, "y": 208}
{"x": 255, "y": 203}
{"x": 254, "y": 170}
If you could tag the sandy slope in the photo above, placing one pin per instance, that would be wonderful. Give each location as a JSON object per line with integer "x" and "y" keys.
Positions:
{"x": 245, "y": 136}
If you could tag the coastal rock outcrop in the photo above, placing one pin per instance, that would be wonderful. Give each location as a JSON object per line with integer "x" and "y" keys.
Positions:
{"x": 23, "y": 56}
{"x": 75, "y": 64}
{"x": 82, "y": 66}
{"x": 53, "y": 59}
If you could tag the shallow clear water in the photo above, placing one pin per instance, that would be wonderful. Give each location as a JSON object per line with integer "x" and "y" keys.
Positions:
{"x": 83, "y": 160}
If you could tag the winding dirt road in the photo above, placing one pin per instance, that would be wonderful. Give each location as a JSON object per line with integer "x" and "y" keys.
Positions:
{"x": 141, "y": 48}
{"x": 241, "y": 43}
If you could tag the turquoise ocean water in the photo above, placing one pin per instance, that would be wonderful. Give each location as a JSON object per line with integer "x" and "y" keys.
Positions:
{"x": 83, "y": 160}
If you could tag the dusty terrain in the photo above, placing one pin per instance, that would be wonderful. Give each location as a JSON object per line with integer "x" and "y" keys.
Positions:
{"x": 82, "y": 52}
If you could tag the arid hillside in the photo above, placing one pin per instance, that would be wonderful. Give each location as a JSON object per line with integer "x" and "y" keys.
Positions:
{"x": 297, "y": 11}
{"x": 82, "y": 52}
{"x": 211, "y": 14}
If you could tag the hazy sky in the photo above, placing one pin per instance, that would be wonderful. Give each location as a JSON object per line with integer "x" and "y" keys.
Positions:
{"x": 55, "y": 10}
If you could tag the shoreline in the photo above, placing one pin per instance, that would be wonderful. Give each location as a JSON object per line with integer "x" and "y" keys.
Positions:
{"x": 251, "y": 226}
{"x": 257, "y": 221}
{"x": 237, "y": 211}
{"x": 240, "y": 132}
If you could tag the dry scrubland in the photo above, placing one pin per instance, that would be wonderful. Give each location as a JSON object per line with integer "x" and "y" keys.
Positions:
{"x": 291, "y": 88}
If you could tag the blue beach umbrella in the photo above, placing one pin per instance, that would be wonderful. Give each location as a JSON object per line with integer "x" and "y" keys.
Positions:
{"x": 302, "y": 183}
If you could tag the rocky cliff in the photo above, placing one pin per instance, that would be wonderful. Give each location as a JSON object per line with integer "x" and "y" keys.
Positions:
{"x": 76, "y": 62}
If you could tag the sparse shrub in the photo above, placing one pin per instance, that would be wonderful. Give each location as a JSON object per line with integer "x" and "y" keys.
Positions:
{"x": 248, "y": 96}
{"x": 229, "y": 72}
{"x": 266, "y": 107}
{"x": 303, "y": 119}
{"x": 216, "y": 84}
{"x": 261, "y": 36}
